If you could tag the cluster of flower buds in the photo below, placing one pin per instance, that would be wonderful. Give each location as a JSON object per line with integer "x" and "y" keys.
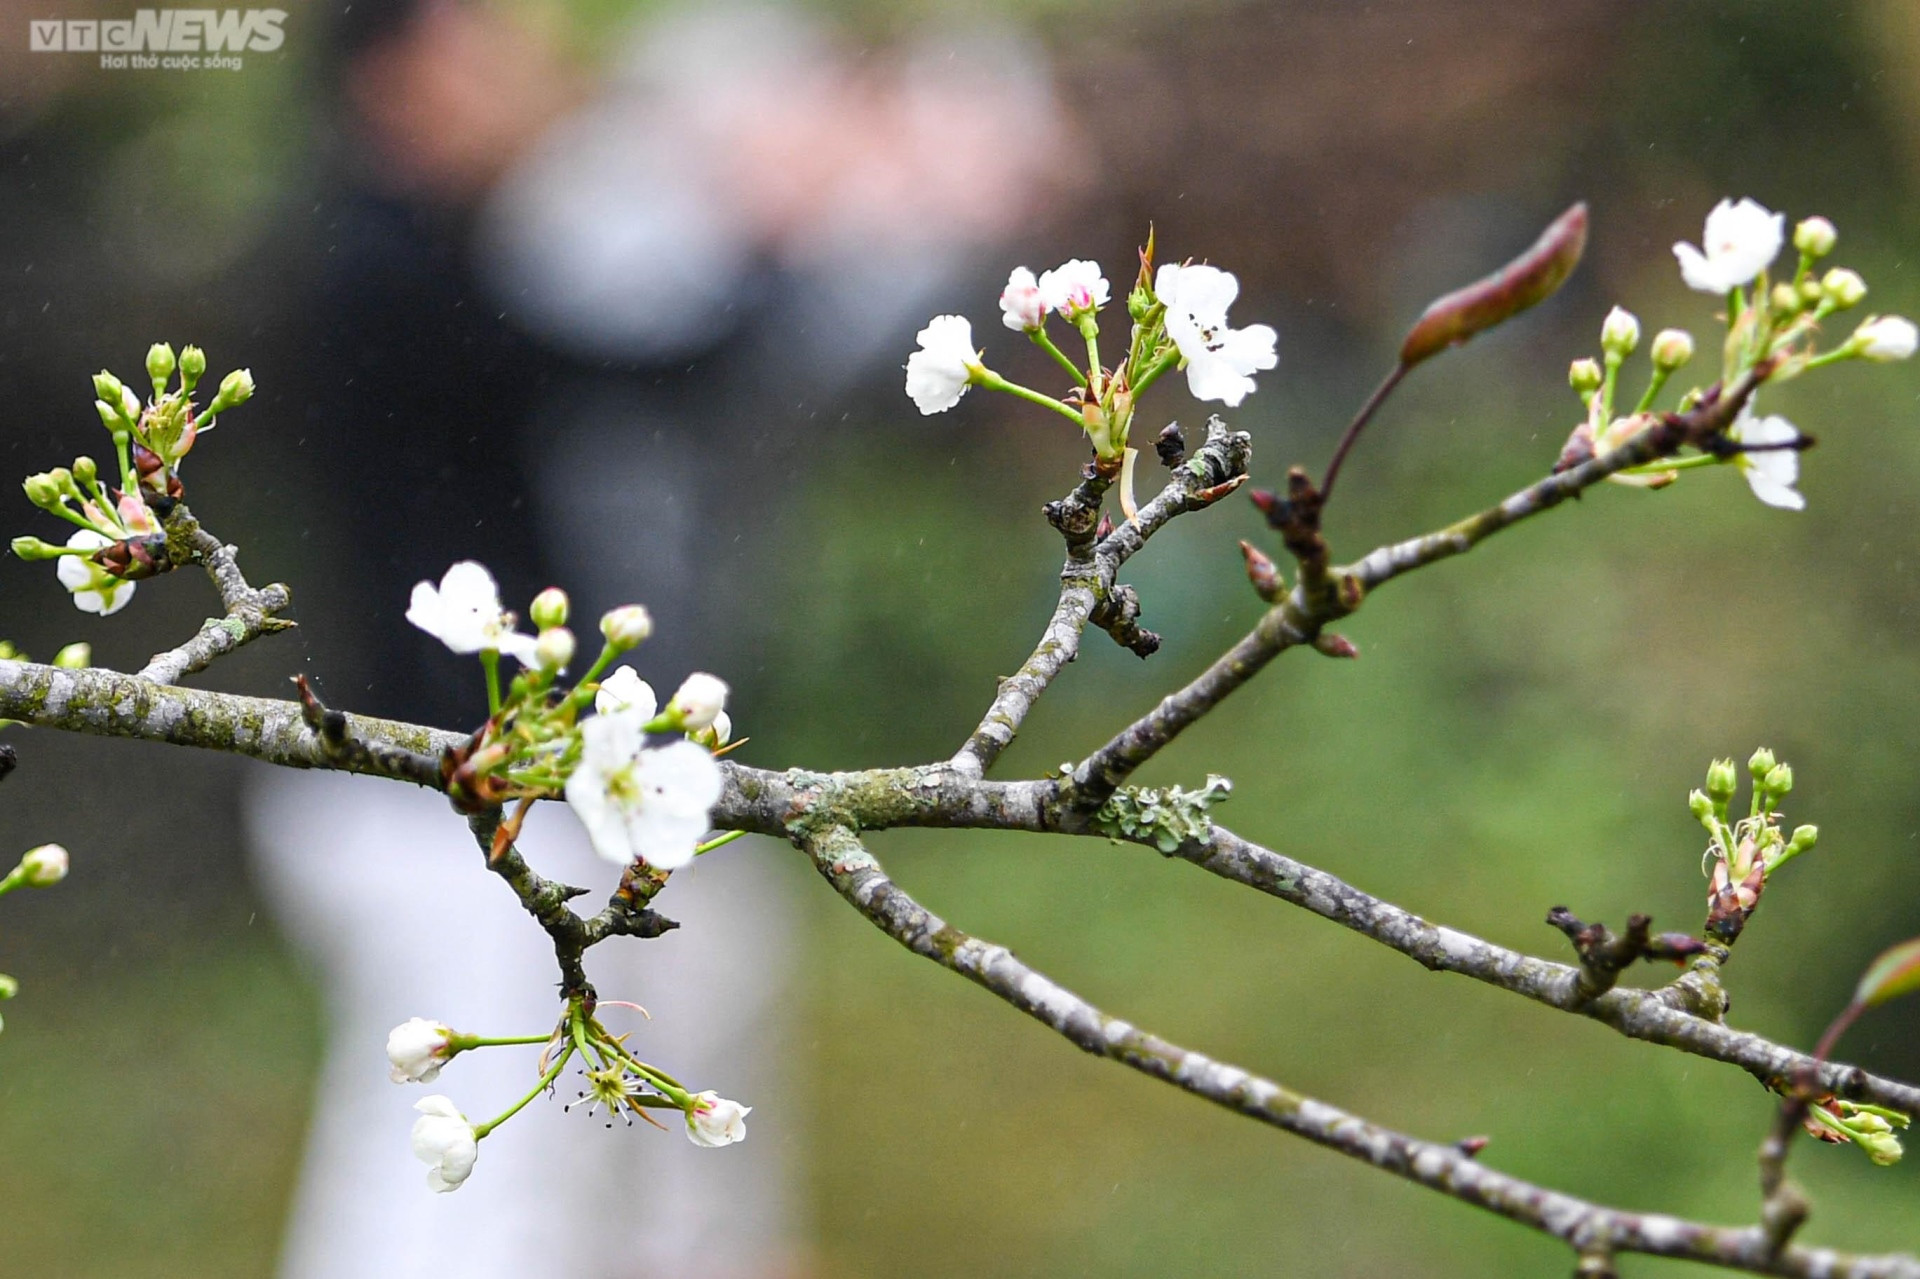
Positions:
{"x": 1179, "y": 319}
{"x": 120, "y": 540}
{"x": 616, "y": 1081}
{"x": 636, "y": 799}
{"x": 41, "y": 867}
{"x": 1871, "y": 1128}
{"x": 1742, "y": 855}
{"x": 1772, "y": 329}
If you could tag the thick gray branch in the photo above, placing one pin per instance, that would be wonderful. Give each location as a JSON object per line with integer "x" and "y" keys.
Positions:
{"x": 1589, "y": 1228}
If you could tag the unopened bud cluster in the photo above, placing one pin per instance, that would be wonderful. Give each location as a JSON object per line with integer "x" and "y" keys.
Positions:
{"x": 1742, "y": 854}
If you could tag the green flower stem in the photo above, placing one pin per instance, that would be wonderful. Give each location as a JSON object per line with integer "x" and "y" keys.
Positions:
{"x": 1168, "y": 361}
{"x": 994, "y": 382}
{"x": 1835, "y": 356}
{"x": 607, "y": 653}
{"x": 717, "y": 842}
{"x": 490, "y": 662}
{"x": 15, "y": 878}
{"x": 1040, "y": 339}
{"x": 1678, "y": 464}
{"x": 129, "y": 482}
{"x": 1608, "y": 385}
{"x": 659, "y": 1079}
{"x": 460, "y": 1043}
{"x": 546, "y": 1082}
{"x": 1654, "y": 383}
{"x": 1091, "y": 331}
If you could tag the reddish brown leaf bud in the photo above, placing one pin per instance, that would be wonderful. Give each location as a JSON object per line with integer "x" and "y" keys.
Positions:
{"x": 1531, "y": 278}
{"x": 1261, "y": 571}
{"x": 1336, "y": 645}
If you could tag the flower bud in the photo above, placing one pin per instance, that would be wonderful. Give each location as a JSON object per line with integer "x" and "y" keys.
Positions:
{"x": 109, "y": 417}
{"x": 129, "y": 404}
{"x": 1786, "y": 298}
{"x": 715, "y": 735}
{"x": 62, "y": 480}
{"x": 41, "y": 490}
{"x": 417, "y": 1049}
{"x": 1584, "y": 377}
{"x": 8, "y": 987}
{"x": 1804, "y": 838}
{"x": 235, "y": 388}
{"x": 1672, "y": 348}
{"x": 1720, "y": 781}
{"x": 549, "y": 608}
{"x": 74, "y": 657}
{"x": 193, "y": 362}
{"x": 554, "y": 649}
{"x": 1620, "y": 333}
{"x": 1761, "y": 764}
{"x": 1843, "y": 288}
{"x": 1883, "y": 1148}
{"x": 1779, "y": 780}
{"x": 85, "y": 470}
{"x": 1815, "y": 237}
{"x": 45, "y": 866}
{"x": 699, "y": 701}
{"x": 626, "y": 626}
{"x": 1699, "y": 805}
{"x": 1884, "y": 339}
{"x": 107, "y": 387}
{"x": 160, "y": 366}
{"x": 32, "y": 548}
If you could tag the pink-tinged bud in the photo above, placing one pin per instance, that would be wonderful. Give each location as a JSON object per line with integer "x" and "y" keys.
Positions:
{"x": 1263, "y": 573}
{"x": 1333, "y": 645}
{"x": 1529, "y": 279}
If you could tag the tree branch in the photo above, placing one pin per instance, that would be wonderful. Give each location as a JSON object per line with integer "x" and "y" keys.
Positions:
{"x": 250, "y": 613}
{"x": 1298, "y": 618}
{"x": 1589, "y": 1228}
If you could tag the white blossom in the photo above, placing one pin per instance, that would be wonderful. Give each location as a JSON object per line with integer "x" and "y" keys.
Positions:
{"x": 1021, "y": 306}
{"x": 417, "y": 1048}
{"x": 699, "y": 699}
{"x": 1771, "y": 473}
{"x": 624, "y": 690}
{"x": 641, "y": 801}
{"x": 445, "y": 1142}
{"x": 1885, "y": 338}
{"x": 1220, "y": 360}
{"x": 1074, "y": 288}
{"x": 1740, "y": 241}
{"x": 626, "y": 626}
{"x": 464, "y": 613}
{"x": 940, "y": 372}
{"x": 714, "y": 1121}
{"x": 94, "y": 589}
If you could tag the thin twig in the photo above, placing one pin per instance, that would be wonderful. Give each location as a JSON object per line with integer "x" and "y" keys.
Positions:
{"x": 250, "y": 612}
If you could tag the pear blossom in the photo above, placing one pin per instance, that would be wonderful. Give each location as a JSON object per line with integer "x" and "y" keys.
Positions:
{"x": 94, "y": 589}
{"x": 1885, "y": 338}
{"x": 1740, "y": 241}
{"x": 464, "y": 613}
{"x": 445, "y": 1142}
{"x": 641, "y": 801}
{"x": 417, "y": 1048}
{"x": 1220, "y": 360}
{"x": 713, "y": 1121}
{"x": 1021, "y": 307}
{"x": 940, "y": 372}
{"x": 699, "y": 700}
{"x": 1771, "y": 473}
{"x": 624, "y": 690}
{"x": 1074, "y": 288}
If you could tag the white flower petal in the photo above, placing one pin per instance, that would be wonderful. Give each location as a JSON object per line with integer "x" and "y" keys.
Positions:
{"x": 624, "y": 690}
{"x": 939, "y": 373}
{"x": 1738, "y": 242}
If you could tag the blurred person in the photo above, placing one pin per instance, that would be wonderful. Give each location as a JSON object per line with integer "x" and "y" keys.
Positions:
{"x": 667, "y": 268}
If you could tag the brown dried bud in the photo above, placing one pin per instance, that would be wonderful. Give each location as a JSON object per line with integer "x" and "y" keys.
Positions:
{"x": 1531, "y": 278}
{"x": 1171, "y": 446}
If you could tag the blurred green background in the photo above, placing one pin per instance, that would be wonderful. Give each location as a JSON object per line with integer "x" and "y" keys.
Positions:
{"x": 1520, "y": 732}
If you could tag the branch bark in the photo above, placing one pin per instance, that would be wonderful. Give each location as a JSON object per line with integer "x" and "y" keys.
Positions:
{"x": 1587, "y": 1227}
{"x": 250, "y": 613}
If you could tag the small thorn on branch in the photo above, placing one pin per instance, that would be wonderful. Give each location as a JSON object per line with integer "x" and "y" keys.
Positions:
{"x": 1472, "y": 1146}
{"x": 1603, "y": 956}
